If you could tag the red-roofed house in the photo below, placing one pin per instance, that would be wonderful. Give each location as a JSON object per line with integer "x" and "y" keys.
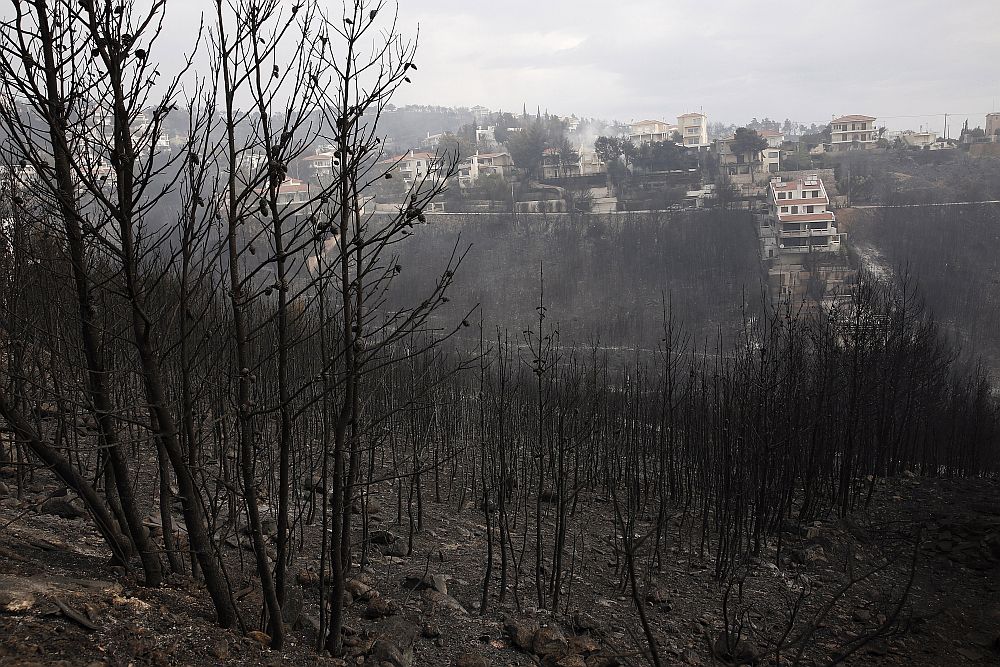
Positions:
{"x": 774, "y": 138}
{"x": 649, "y": 131}
{"x": 322, "y": 165}
{"x": 293, "y": 191}
{"x": 799, "y": 217}
{"x": 853, "y": 133}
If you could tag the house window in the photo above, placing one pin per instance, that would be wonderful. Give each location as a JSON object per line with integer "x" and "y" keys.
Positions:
{"x": 784, "y": 209}
{"x": 809, "y": 209}
{"x": 795, "y": 209}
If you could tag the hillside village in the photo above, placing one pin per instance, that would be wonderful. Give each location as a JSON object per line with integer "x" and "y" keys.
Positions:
{"x": 792, "y": 178}
{"x": 785, "y": 174}
{"x": 788, "y": 176}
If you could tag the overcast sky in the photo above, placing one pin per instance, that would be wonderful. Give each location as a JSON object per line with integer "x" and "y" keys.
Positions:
{"x": 906, "y": 61}
{"x": 735, "y": 59}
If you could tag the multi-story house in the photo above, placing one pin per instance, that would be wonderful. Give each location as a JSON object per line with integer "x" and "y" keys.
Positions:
{"x": 774, "y": 138}
{"x": 650, "y": 131}
{"x": 432, "y": 141}
{"x": 554, "y": 166}
{"x": 248, "y": 163}
{"x": 852, "y": 133}
{"x": 744, "y": 168}
{"x": 418, "y": 166}
{"x": 486, "y": 137}
{"x": 591, "y": 164}
{"x": 800, "y": 245}
{"x": 298, "y": 198}
{"x": 922, "y": 139}
{"x": 694, "y": 129}
{"x": 482, "y": 164}
{"x": 800, "y": 218}
{"x": 322, "y": 165}
{"x": 480, "y": 113}
{"x": 993, "y": 125}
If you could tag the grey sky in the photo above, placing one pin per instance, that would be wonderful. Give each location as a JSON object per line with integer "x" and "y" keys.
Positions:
{"x": 632, "y": 59}
{"x": 905, "y": 61}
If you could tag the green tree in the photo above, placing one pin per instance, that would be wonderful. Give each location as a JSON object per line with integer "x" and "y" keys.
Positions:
{"x": 747, "y": 142}
{"x": 527, "y": 147}
{"x": 503, "y": 122}
{"x": 456, "y": 147}
{"x": 660, "y": 156}
{"x": 567, "y": 152}
{"x": 612, "y": 152}
{"x": 608, "y": 149}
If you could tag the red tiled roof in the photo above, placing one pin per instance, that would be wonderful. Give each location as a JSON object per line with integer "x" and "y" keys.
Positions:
{"x": 855, "y": 118}
{"x": 293, "y": 185}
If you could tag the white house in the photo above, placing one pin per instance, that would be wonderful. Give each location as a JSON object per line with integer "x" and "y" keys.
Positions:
{"x": 481, "y": 164}
{"x": 743, "y": 168}
{"x": 417, "y": 166}
{"x": 993, "y": 124}
{"x": 591, "y": 164}
{"x": 486, "y": 137}
{"x": 774, "y": 138}
{"x": 322, "y": 165}
{"x": 800, "y": 218}
{"x": 694, "y": 129}
{"x": 432, "y": 141}
{"x": 853, "y": 133}
{"x": 922, "y": 139}
{"x": 480, "y": 113}
{"x": 650, "y": 131}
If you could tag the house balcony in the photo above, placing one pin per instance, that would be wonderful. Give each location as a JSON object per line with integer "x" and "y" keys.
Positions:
{"x": 803, "y": 233}
{"x": 832, "y": 245}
